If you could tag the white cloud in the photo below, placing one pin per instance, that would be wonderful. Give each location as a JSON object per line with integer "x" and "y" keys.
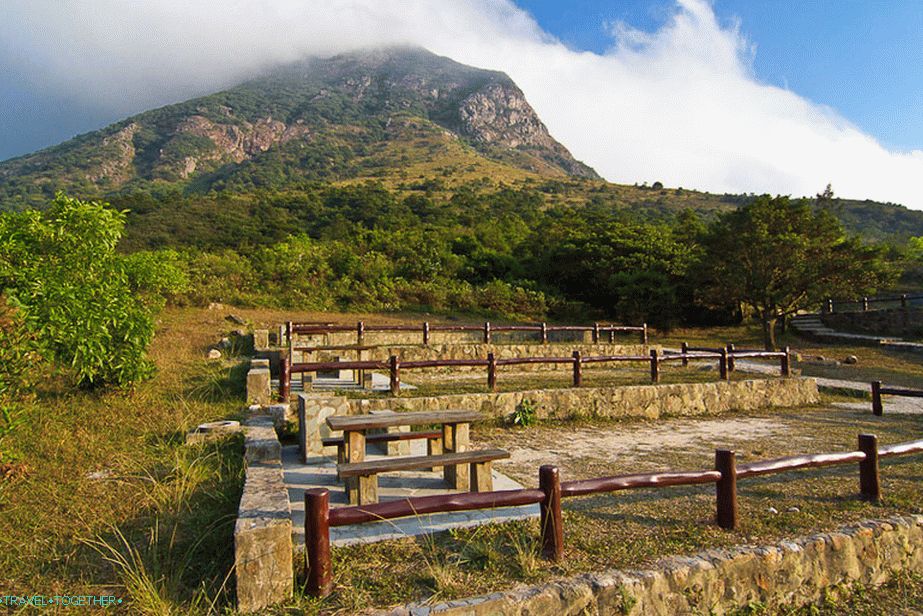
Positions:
{"x": 680, "y": 105}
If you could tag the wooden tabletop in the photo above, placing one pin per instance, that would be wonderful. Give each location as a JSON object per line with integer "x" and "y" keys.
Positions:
{"x": 386, "y": 420}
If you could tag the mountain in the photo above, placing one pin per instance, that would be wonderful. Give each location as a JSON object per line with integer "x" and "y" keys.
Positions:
{"x": 375, "y": 113}
{"x": 401, "y": 117}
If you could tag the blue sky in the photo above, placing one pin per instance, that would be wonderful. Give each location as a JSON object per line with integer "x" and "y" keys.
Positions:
{"x": 862, "y": 57}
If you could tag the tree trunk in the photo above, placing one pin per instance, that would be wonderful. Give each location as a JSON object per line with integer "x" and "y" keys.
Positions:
{"x": 769, "y": 332}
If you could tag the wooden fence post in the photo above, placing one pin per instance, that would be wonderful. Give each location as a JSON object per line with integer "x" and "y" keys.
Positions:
{"x": 877, "y": 408}
{"x": 684, "y": 348}
{"x": 595, "y": 333}
{"x": 830, "y": 305}
{"x": 611, "y": 334}
{"x": 865, "y": 304}
{"x": 723, "y": 365}
{"x": 904, "y": 300}
{"x": 549, "y": 482}
{"x": 395, "y": 367}
{"x": 731, "y": 365}
{"x": 786, "y": 363}
{"x": 291, "y": 339}
{"x": 726, "y": 464}
{"x": 486, "y": 332}
{"x": 655, "y": 367}
{"x": 578, "y": 370}
{"x": 288, "y": 334}
{"x": 491, "y": 372}
{"x": 285, "y": 379}
{"x": 317, "y": 541}
{"x": 360, "y": 332}
{"x": 425, "y": 333}
{"x": 544, "y": 333}
{"x": 869, "y": 480}
{"x": 644, "y": 333}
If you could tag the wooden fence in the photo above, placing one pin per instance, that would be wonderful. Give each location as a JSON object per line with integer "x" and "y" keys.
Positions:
{"x": 319, "y": 517}
{"x": 863, "y": 304}
{"x": 394, "y": 365}
{"x": 487, "y": 330}
{"x": 878, "y": 390}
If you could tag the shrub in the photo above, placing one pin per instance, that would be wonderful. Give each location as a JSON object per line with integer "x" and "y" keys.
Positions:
{"x": 17, "y": 363}
{"x": 526, "y": 414}
{"x": 89, "y": 308}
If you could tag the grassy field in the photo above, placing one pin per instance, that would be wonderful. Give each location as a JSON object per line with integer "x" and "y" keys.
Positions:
{"x": 110, "y": 501}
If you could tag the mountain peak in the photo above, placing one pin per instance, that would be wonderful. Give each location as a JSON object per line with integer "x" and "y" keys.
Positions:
{"x": 317, "y": 119}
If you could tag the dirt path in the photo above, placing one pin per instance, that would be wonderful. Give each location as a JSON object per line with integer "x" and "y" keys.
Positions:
{"x": 590, "y": 451}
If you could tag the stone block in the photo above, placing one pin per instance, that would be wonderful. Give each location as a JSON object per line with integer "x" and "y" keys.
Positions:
{"x": 261, "y": 339}
{"x": 261, "y": 444}
{"x": 259, "y": 390}
{"x": 315, "y": 409}
{"x": 211, "y": 431}
{"x": 263, "y": 539}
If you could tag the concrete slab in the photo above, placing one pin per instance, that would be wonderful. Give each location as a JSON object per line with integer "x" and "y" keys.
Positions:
{"x": 320, "y": 472}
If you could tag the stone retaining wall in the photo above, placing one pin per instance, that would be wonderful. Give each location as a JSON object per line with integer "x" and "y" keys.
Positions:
{"x": 263, "y": 531}
{"x": 650, "y": 401}
{"x": 419, "y": 352}
{"x": 718, "y": 581}
{"x": 895, "y": 322}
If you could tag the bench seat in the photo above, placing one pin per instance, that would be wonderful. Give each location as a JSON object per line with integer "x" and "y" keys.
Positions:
{"x": 430, "y": 435}
{"x": 367, "y": 472}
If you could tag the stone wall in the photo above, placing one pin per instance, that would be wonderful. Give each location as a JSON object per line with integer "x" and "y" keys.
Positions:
{"x": 650, "y": 401}
{"x": 479, "y": 351}
{"x": 263, "y": 531}
{"x": 906, "y": 323}
{"x": 718, "y": 581}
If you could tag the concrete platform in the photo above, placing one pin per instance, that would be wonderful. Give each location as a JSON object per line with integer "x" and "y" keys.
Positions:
{"x": 321, "y": 473}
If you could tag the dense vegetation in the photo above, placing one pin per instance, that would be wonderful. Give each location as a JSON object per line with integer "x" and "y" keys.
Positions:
{"x": 506, "y": 252}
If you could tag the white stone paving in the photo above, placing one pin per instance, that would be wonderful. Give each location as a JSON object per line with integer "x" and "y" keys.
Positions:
{"x": 320, "y": 472}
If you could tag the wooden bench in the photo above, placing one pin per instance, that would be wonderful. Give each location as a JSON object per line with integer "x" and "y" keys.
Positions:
{"x": 455, "y": 436}
{"x": 433, "y": 437}
{"x": 367, "y": 472}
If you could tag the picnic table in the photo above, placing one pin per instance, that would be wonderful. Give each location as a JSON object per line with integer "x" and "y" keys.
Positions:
{"x": 462, "y": 469}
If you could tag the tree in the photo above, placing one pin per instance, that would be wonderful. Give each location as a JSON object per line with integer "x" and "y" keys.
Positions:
{"x": 90, "y": 308}
{"x": 776, "y": 257}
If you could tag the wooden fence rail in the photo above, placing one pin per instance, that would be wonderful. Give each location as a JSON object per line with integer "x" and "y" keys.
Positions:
{"x": 394, "y": 365}
{"x": 878, "y": 390}
{"x": 319, "y": 517}
{"x": 487, "y": 330}
{"x": 864, "y": 303}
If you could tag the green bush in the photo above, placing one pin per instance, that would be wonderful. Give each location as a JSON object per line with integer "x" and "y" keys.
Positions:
{"x": 17, "y": 368}
{"x": 525, "y": 415}
{"x": 90, "y": 309}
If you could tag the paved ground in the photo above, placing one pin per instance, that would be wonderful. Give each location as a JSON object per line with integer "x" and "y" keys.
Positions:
{"x": 321, "y": 473}
{"x": 892, "y": 404}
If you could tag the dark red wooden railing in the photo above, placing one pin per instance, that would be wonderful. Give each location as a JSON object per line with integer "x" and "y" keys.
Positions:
{"x": 394, "y": 365}
{"x": 878, "y": 390}
{"x": 319, "y": 517}
{"x": 487, "y": 330}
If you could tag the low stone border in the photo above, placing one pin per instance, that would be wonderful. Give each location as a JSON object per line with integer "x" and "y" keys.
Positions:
{"x": 263, "y": 531}
{"x": 650, "y": 401}
{"x": 717, "y": 581}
